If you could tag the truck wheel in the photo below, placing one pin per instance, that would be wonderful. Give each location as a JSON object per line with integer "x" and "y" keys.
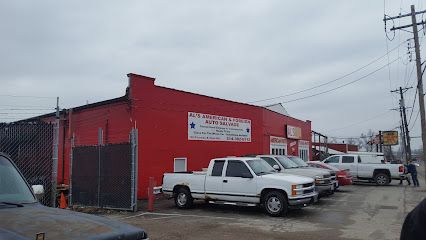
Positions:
{"x": 275, "y": 203}
{"x": 382, "y": 179}
{"x": 183, "y": 198}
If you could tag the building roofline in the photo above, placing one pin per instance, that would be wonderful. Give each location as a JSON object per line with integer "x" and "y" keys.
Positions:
{"x": 226, "y": 100}
{"x": 81, "y": 108}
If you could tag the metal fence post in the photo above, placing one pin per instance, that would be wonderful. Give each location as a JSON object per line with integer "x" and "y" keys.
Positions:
{"x": 70, "y": 170}
{"x": 134, "y": 174}
{"x": 100, "y": 143}
{"x": 55, "y": 155}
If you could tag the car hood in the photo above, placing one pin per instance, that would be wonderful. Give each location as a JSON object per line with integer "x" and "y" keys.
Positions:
{"x": 294, "y": 179}
{"x": 304, "y": 172}
{"x": 325, "y": 171}
{"x": 26, "y": 221}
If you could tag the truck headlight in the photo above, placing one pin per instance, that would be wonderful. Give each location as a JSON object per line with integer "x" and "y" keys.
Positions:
{"x": 319, "y": 180}
{"x": 294, "y": 189}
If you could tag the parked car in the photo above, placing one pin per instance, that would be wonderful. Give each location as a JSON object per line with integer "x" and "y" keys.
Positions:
{"x": 22, "y": 217}
{"x": 344, "y": 177}
{"x": 380, "y": 173}
{"x": 283, "y": 164}
{"x": 241, "y": 181}
{"x": 302, "y": 164}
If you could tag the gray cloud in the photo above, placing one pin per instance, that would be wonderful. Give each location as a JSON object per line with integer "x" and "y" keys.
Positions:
{"x": 239, "y": 50}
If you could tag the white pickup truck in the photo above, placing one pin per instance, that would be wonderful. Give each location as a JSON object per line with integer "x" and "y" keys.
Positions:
{"x": 242, "y": 181}
{"x": 380, "y": 173}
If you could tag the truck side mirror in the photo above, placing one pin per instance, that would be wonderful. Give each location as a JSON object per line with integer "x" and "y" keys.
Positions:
{"x": 38, "y": 190}
{"x": 276, "y": 167}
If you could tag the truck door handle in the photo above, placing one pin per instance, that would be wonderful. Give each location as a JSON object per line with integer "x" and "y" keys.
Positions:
{"x": 225, "y": 181}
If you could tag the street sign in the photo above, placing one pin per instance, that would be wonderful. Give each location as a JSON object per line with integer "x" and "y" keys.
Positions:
{"x": 390, "y": 138}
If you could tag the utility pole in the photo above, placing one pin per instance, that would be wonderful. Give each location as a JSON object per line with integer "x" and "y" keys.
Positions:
{"x": 403, "y": 139}
{"x": 419, "y": 69}
{"x": 403, "y": 114}
{"x": 55, "y": 154}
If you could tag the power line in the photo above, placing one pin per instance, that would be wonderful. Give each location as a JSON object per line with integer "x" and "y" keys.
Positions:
{"x": 412, "y": 107}
{"x": 360, "y": 122}
{"x": 332, "y": 81}
{"x": 415, "y": 120}
{"x": 343, "y": 85}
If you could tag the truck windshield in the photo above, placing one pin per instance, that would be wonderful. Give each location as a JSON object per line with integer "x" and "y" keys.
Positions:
{"x": 299, "y": 162}
{"x": 260, "y": 167}
{"x": 286, "y": 162}
{"x": 13, "y": 188}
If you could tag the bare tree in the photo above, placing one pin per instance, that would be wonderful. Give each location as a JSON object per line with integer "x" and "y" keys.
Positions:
{"x": 365, "y": 140}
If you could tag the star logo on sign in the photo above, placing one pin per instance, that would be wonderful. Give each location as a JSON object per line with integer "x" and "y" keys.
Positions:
{"x": 248, "y": 130}
{"x": 192, "y": 125}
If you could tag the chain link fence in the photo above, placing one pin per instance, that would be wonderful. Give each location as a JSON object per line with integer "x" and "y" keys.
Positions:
{"x": 30, "y": 145}
{"x": 104, "y": 176}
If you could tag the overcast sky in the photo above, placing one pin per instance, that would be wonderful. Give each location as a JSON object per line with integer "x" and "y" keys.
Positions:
{"x": 245, "y": 51}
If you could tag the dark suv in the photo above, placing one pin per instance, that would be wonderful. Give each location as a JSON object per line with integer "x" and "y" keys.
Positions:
{"x": 22, "y": 217}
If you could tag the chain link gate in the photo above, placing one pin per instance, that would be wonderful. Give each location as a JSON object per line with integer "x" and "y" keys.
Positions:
{"x": 30, "y": 145}
{"x": 105, "y": 176}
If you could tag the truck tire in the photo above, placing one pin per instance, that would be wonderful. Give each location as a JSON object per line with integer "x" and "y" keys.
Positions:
{"x": 275, "y": 203}
{"x": 183, "y": 198}
{"x": 381, "y": 179}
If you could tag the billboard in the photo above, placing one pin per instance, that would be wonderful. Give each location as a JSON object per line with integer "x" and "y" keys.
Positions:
{"x": 390, "y": 138}
{"x": 207, "y": 127}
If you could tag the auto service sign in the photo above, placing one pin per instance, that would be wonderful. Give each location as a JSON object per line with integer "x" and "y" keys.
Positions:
{"x": 207, "y": 127}
{"x": 294, "y": 132}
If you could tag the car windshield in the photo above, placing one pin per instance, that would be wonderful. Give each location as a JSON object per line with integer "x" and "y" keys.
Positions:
{"x": 260, "y": 167}
{"x": 299, "y": 162}
{"x": 13, "y": 188}
{"x": 286, "y": 162}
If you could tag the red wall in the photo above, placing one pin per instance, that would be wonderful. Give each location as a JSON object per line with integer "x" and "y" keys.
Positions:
{"x": 114, "y": 119}
{"x": 161, "y": 116}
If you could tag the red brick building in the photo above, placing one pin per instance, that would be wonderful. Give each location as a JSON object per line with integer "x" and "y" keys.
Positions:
{"x": 178, "y": 130}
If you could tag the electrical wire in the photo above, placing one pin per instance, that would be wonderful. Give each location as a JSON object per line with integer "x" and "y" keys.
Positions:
{"x": 415, "y": 120}
{"x": 360, "y": 122}
{"x": 332, "y": 81}
{"x": 412, "y": 107}
{"x": 343, "y": 85}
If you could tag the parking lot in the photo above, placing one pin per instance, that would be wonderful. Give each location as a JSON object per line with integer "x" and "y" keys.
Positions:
{"x": 361, "y": 211}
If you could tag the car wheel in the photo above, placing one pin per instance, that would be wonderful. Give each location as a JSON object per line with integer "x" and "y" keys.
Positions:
{"x": 382, "y": 179}
{"x": 183, "y": 198}
{"x": 275, "y": 203}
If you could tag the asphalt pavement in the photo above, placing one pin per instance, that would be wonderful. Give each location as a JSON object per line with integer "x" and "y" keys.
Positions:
{"x": 361, "y": 211}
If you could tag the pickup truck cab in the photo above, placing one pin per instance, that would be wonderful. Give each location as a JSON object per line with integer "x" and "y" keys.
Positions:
{"x": 323, "y": 183}
{"x": 22, "y": 217}
{"x": 380, "y": 173}
{"x": 244, "y": 181}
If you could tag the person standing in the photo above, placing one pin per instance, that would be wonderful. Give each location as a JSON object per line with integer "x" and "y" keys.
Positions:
{"x": 405, "y": 176}
{"x": 413, "y": 171}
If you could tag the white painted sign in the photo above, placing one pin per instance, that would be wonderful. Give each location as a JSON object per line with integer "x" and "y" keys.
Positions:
{"x": 207, "y": 127}
{"x": 277, "y": 141}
